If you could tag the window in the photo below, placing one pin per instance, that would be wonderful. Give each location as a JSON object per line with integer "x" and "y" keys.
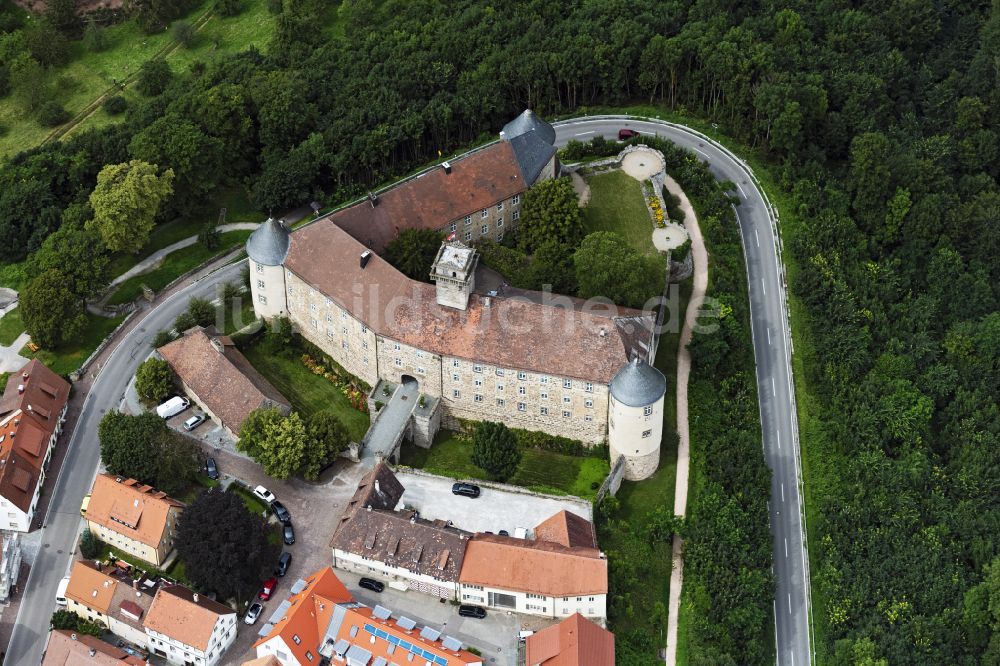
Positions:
{"x": 260, "y": 268}
{"x": 588, "y": 403}
{"x": 647, "y": 411}
{"x": 479, "y": 382}
{"x": 567, "y": 399}
{"x": 486, "y": 229}
{"x": 365, "y": 360}
{"x": 296, "y": 639}
{"x": 499, "y": 237}
{"x": 515, "y": 216}
{"x": 456, "y": 394}
{"x": 485, "y": 214}
{"x": 588, "y": 418}
{"x": 398, "y": 362}
{"x": 499, "y": 206}
{"x": 313, "y": 323}
{"x": 312, "y": 307}
{"x": 468, "y": 235}
{"x": 330, "y": 333}
{"x": 516, "y": 200}
{"x": 500, "y": 387}
{"x": 543, "y": 379}
{"x": 478, "y": 398}
{"x": 343, "y": 344}
{"x": 567, "y": 383}
{"x": 262, "y": 299}
{"x": 544, "y": 411}
{"x": 329, "y": 318}
{"x": 468, "y": 220}
{"x": 364, "y": 344}
{"x": 420, "y": 354}
{"x": 453, "y": 226}
{"x": 647, "y": 433}
{"x": 454, "y": 363}
{"x": 260, "y": 284}
{"x": 454, "y": 377}
{"x": 589, "y": 387}
{"x": 522, "y": 375}
{"x": 476, "y": 367}
{"x": 343, "y": 329}
{"x": 364, "y": 329}
{"x": 499, "y": 372}
{"x": 545, "y": 395}
{"x": 590, "y": 598}
{"x": 395, "y": 346}
{"x": 566, "y": 414}
{"x": 291, "y": 289}
{"x": 521, "y": 390}
{"x": 500, "y": 222}
{"x": 536, "y": 596}
{"x": 521, "y": 407}
{"x": 500, "y": 402}
{"x": 421, "y": 371}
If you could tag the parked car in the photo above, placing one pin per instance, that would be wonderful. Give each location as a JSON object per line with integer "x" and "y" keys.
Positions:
{"x": 288, "y": 534}
{"x": 211, "y": 469}
{"x": 283, "y": 562}
{"x": 172, "y": 407}
{"x": 253, "y": 613}
{"x": 372, "y": 584}
{"x": 264, "y": 494}
{"x": 477, "y": 612}
{"x": 503, "y": 533}
{"x": 626, "y": 134}
{"x": 194, "y": 422}
{"x": 466, "y": 490}
{"x": 61, "y": 591}
{"x": 281, "y": 513}
{"x": 267, "y": 589}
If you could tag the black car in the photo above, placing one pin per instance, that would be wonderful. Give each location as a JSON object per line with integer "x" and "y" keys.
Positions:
{"x": 283, "y": 562}
{"x": 371, "y": 584}
{"x": 281, "y": 513}
{"x": 503, "y": 533}
{"x": 288, "y": 535}
{"x": 472, "y": 611}
{"x": 466, "y": 490}
{"x": 211, "y": 469}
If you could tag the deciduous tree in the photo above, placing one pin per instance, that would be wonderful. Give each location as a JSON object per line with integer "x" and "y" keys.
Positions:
{"x": 607, "y": 266}
{"x": 130, "y": 444}
{"x": 52, "y": 314}
{"x": 125, "y": 202}
{"x": 154, "y": 380}
{"x": 327, "y": 438}
{"x": 413, "y": 252}
{"x": 550, "y": 214}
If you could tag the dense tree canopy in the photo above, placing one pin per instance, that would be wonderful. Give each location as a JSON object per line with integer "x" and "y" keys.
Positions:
{"x": 277, "y": 442}
{"x": 413, "y": 252}
{"x": 608, "y": 267}
{"x": 154, "y": 380}
{"x": 125, "y": 202}
{"x": 494, "y": 449}
{"x": 52, "y": 314}
{"x": 550, "y": 214}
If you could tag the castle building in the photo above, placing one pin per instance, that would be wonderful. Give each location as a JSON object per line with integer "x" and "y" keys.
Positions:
{"x": 531, "y": 360}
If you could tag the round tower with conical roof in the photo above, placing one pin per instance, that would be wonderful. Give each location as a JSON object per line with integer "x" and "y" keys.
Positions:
{"x": 635, "y": 426}
{"x": 267, "y": 248}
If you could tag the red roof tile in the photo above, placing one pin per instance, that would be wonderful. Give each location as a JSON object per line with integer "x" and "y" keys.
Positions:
{"x": 576, "y": 641}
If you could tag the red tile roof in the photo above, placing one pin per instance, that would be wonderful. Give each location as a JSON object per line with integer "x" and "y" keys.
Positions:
{"x": 67, "y": 648}
{"x": 221, "y": 377}
{"x": 432, "y": 200}
{"x": 568, "y": 529}
{"x": 556, "y": 338}
{"x": 185, "y": 615}
{"x": 576, "y": 641}
{"x": 129, "y": 508}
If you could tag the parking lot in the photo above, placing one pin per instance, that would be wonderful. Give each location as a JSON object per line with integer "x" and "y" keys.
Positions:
{"x": 493, "y": 511}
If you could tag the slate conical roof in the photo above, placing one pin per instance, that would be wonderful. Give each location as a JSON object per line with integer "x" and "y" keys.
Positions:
{"x": 638, "y": 384}
{"x": 268, "y": 244}
{"x": 527, "y": 122}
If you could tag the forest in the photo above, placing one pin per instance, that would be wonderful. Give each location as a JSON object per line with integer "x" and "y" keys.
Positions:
{"x": 879, "y": 123}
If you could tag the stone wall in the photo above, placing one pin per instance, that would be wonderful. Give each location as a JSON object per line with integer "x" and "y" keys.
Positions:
{"x": 613, "y": 481}
{"x": 489, "y": 223}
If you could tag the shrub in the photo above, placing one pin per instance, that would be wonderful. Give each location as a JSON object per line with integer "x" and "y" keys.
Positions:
{"x": 184, "y": 33}
{"x": 184, "y": 321}
{"x": 275, "y": 6}
{"x": 162, "y": 338}
{"x": 52, "y": 113}
{"x": 114, "y": 105}
{"x": 94, "y": 38}
{"x": 202, "y": 311}
{"x": 228, "y": 7}
{"x": 209, "y": 236}
{"x": 494, "y": 449}
{"x": 90, "y": 546}
{"x": 154, "y": 77}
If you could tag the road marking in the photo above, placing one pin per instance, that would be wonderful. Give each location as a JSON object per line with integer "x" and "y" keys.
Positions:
{"x": 768, "y": 336}
{"x": 741, "y": 189}
{"x": 778, "y": 432}
{"x": 786, "y": 547}
{"x": 705, "y": 154}
{"x": 774, "y": 388}
{"x": 755, "y": 235}
{"x": 789, "y": 603}
{"x": 792, "y": 655}
{"x": 782, "y": 492}
{"x": 583, "y": 133}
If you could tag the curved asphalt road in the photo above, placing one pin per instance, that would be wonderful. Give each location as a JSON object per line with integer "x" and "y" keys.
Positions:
{"x": 79, "y": 467}
{"x": 772, "y": 349}
{"x": 774, "y": 379}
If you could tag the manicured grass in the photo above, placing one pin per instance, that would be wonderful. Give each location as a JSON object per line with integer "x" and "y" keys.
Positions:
{"x": 11, "y": 326}
{"x": 174, "y": 265}
{"x": 163, "y": 235}
{"x": 253, "y": 503}
{"x": 234, "y": 321}
{"x": 308, "y": 393}
{"x": 201, "y": 483}
{"x": 89, "y": 75}
{"x": 64, "y": 360}
{"x": 541, "y": 471}
{"x": 616, "y": 204}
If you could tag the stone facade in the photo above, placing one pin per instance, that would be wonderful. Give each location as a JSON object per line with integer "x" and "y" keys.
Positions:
{"x": 635, "y": 433}
{"x": 490, "y": 223}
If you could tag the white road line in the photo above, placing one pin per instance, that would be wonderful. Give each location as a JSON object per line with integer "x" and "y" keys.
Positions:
{"x": 755, "y": 235}
{"x": 786, "y": 547}
{"x": 583, "y": 133}
{"x": 774, "y": 388}
{"x": 768, "y": 336}
{"x": 792, "y": 655}
{"x": 705, "y": 154}
{"x": 789, "y": 603}
{"x": 778, "y": 432}
{"x": 741, "y": 189}
{"x": 782, "y": 492}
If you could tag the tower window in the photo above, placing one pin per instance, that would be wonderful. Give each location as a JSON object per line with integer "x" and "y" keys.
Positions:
{"x": 260, "y": 268}
{"x": 647, "y": 433}
{"x": 260, "y": 284}
{"x": 647, "y": 411}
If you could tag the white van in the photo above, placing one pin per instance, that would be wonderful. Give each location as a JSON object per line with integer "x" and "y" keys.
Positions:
{"x": 173, "y": 407}
{"x": 61, "y": 592}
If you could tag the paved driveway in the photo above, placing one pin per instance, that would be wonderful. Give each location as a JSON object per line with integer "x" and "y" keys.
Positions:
{"x": 493, "y": 511}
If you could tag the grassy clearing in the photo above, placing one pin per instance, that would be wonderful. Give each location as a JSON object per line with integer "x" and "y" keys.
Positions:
{"x": 542, "y": 471}
{"x": 253, "y": 503}
{"x": 89, "y": 75}
{"x": 11, "y": 326}
{"x": 200, "y": 483}
{"x": 308, "y": 393}
{"x": 174, "y": 265}
{"x": 67, "y": 358}
{"x": 616, "y": 204}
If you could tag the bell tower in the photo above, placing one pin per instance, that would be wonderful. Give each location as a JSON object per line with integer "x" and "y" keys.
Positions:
{"x": 454, "y": 273}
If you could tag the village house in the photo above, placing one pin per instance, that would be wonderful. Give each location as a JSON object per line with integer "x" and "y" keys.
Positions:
{"x": 216, "y": 375}
{"x": 555, "y": 365}
{"x": 118, "y": 602}
{"x": 187, "y": 628}
{"x": 68, "y": 648}
{"x": 320, "y": 622}
{"x": 576, "y": 641}
{"x": 133, "y": 517}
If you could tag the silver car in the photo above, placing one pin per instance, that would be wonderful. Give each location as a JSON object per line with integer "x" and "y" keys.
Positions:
{"x": 253, "y": 613}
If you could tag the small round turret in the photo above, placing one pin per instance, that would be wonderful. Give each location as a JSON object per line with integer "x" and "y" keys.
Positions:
{"x": 268, "y": 244}
{"x": 527, "y": 122}
{"x": 267, "y": 248}
{"x": 636, "y": 424}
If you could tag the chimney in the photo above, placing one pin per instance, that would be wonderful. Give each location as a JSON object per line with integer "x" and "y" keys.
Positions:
{"x": 72, "y": 637}
{"x": 93, "y": 652}
{"x": 20, "y": 388}
{"x": 447, "y": 167}
{"x": 135, "y": 584}
{"x": 369, "y": 507}
{"x": 372, "y": 199}
{"x": 486, "y": 302}
{"x": 29, "y": 407}
{"x": 24, "y": 375}
{"x": 365, "y": 257}
{"x": 413, "y": 519}
{"x": 603, "y": 333}
{"x": 378, "y": 489}
{"x": 194, "y": 597}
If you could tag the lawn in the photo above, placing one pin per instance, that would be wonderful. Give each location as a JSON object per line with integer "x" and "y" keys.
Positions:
{"x": 253, "y": 503}
{"x": 200, "y": 483}
{"x": 616, "y": 204}
{"x": 67, "y": 358}
{"x": 234, "y": 321}
{"x": 174, "y": 265}
{"x": 542, "y": 471}
{"x": 88, "y": 75}
{"x": 308, "y": 393}
{"x": 11, "y": 326}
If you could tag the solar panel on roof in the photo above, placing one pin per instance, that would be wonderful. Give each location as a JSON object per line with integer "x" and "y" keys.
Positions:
{"x": 341, "y": 647}
{"x": 279, "y": 612}
{"x": 358, "y": 656}
{"x": 430, "y": 633}
{"x": 298, "y": 586}
{"x": 381, "y": 634}
{"x": 452, "y": 644}
{"x": 405, "y": 623}
{"x": 380, "y": 661}
{"x": 381, "y": 612}
{"x": 266, "y": 629}
{"x": 393, "y": 639}
{"x": 441, "y": 661}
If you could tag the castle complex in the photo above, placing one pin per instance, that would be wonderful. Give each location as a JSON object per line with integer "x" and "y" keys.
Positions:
{"x": 530, "y": 360}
